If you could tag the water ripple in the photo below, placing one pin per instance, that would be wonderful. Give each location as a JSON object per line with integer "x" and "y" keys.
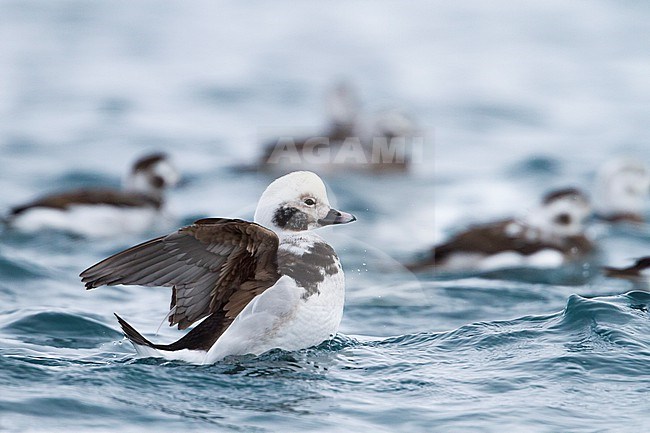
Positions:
{"x": 60, "y": 329}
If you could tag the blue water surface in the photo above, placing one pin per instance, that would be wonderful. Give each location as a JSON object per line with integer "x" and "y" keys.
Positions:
{"x": 513, "y": 98}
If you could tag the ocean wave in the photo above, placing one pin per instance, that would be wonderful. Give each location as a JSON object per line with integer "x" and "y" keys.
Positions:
{"x": 17, "y": 269}
{"x": 607, "y": 335}
{"x": 59, "y": 329}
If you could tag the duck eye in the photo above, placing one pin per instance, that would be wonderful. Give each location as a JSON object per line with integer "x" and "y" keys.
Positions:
{"x": 563, "y": 219}
{"x": 158, "y": 181}
{"x": 310, "y": 201}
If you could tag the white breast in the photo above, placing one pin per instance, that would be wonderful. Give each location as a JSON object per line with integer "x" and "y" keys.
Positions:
{"x": 462, "y": 261}
{"x": 547, "y": 258}
{"x": 88, "y": 220}
{"x": 282, "y": 318}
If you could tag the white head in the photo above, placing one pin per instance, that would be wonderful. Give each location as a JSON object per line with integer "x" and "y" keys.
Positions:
{"x": 342, "y": 105}
{"x": 394, "y": 123}
{"x": 297, "y": 202}
{"x": 152, "y": 174}
{"x": 562, "y": 213}
{"x": 623, "y": 186}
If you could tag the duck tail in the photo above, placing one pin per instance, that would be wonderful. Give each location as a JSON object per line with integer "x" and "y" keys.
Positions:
{"x": 133, "y": 335}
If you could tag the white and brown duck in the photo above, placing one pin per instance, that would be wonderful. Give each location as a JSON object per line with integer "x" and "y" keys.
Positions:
{"x": 251, "y": 286}
{"x": 103, "y": 211}
{"x": 381, "y": 143}
{"x": 547, "y": 237}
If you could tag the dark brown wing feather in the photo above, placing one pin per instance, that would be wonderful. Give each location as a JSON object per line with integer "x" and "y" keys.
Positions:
{"x": 489, "y": 239}
{"x": 215, "y": 265}
{"x": 631, "y": 272}
{"x": 91, "y": 197}
{"x": 484, "y": 239}
{"x": 493, "y": 238}
{"x": 628, "y": 273}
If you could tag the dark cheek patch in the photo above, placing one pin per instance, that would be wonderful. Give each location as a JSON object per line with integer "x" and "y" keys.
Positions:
{"x": 290, "y": 218}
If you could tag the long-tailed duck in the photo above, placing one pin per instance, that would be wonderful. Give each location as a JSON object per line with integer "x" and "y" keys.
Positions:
{"x": 382, "y": 143}
{"x": 549, "y": 236}
{"x": 103, "y": 211}
{"x": 622, "y": 190}
{"x": 638, "y": 272}
{"x": 261, "y": 285}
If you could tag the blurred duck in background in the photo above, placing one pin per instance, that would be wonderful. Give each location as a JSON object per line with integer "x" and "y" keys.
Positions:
{"x": 103, "y": 211}
{"x": 547, "y": 237}
{"x": 350, "y": 141}
{"x": 639, "y": 272}
{"x": 343, "y": 109}
{"x": 622, "y": 189}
